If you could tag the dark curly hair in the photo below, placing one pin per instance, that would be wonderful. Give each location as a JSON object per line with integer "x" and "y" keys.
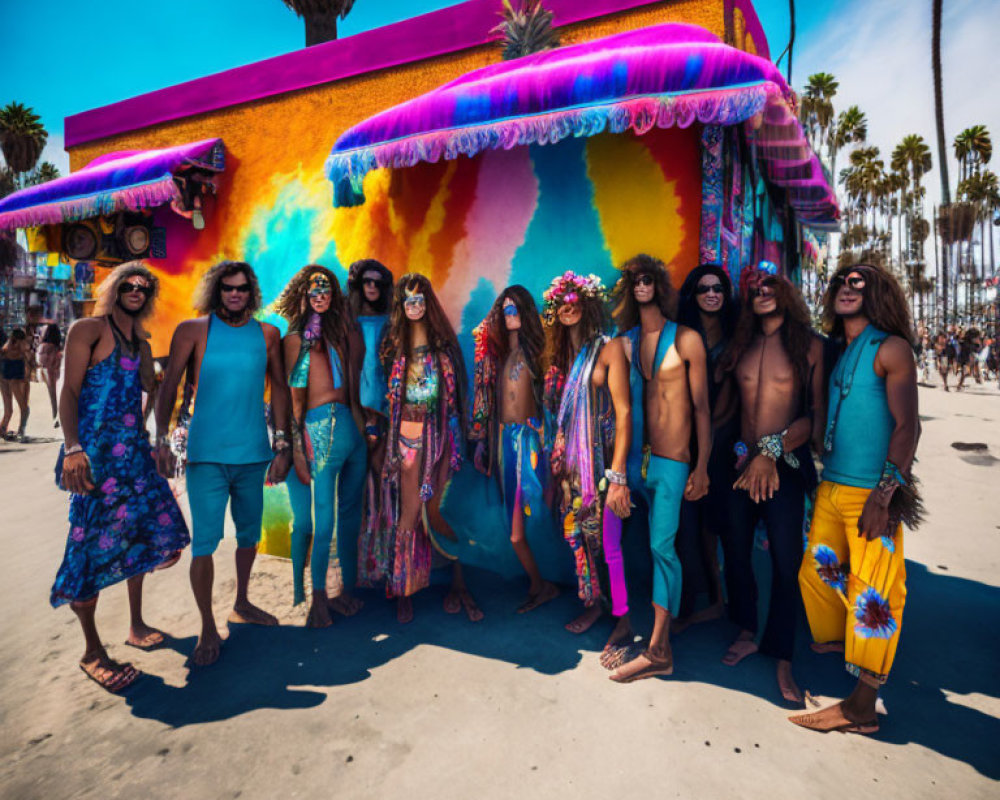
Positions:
{"x": 796, "y": 332}
{"x": 626, "y": 307}
{"x": 293, "y": 305}
{"x": 689, "y": 312}
{"x": 531, "y": 336}
{"x": 883, "y": 303}
{"x": 208, "y": 296}
{"x": 355, "y": 286}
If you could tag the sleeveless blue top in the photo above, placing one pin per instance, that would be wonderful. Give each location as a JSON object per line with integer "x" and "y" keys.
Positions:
{"x": 373, "y": 383}
{"x": 859, "y": 423}
{"x": 637, "y": 384}
{"x": 228, "y": 424}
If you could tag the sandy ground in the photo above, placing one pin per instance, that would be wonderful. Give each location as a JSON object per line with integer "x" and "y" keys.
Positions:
{"x": 513, "y": 706}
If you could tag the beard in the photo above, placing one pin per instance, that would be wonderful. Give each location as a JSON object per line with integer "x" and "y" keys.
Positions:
{"x": 129, "y": 311}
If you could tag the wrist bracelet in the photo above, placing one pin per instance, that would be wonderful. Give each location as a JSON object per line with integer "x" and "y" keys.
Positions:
{"x": 617, "y": 478}
{"x": 279, "y": 434}
{"x": 281, "y": 445}
{"x": 72, "y": 451}
{"x": 771, "y": 446}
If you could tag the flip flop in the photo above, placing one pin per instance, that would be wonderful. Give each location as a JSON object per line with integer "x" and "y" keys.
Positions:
{"x": 119, "y": 680}
{"x": 656, "y": 667}
{"x": 618, "y": 654}
{"x": 149, "y": 647}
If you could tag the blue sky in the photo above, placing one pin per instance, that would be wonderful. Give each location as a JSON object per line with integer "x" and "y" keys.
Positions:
{"x": 75, "y": 59}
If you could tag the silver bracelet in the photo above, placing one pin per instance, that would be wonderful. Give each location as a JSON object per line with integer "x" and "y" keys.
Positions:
{"x": 617, "y": 478}
{"x": 279, "y": 434}
{"x": 72, "y": 451}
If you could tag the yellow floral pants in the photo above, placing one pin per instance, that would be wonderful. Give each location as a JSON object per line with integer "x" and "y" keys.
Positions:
{"x": 854, "y": 589}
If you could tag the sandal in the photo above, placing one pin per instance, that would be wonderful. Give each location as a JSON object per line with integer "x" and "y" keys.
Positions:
{"x": 121, "y": 675}
{"x": 656, "y": 667}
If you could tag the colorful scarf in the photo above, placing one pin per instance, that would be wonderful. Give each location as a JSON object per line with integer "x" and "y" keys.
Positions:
{"x": 483, "y": 427}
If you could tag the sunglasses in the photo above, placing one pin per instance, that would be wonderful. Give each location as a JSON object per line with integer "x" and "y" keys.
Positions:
{"x": 644, "y": 280}
{"x": 764, "y": 290}
{"x": 854, "y": 280}
{"x": 510, "y": 311}
{"x": 715, "y": 288}
{"x": 320, "y": 292}
{"x": 414, "y": 300}
{"x": 125, "y": 287}
{"x": 242, "y": 288}
{"x": 371, "y": 282}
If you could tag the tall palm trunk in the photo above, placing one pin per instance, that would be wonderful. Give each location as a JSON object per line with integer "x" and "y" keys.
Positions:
{"x": 320, "y": 27}
{"x": 942, "y": 147}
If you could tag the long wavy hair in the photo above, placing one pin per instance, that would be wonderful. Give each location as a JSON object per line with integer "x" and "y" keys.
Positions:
{"x": 796, "y": 332}
{"x": 883, "y": 303}
{"x": 107, "y": 292}
{"x": 208, "y": 296}
{"x": 293, "y": 305}
{"x": 531, "y": 336}
{"x": 355, "y": 285}
{"x": 626, "y": 307}
{"x": 688, "y": 311}
{"x": 558, "y": 346}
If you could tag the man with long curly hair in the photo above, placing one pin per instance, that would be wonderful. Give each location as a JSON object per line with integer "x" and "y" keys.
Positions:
{"x": 228, "y": 357}
{"x": 777, "y": 363}
{"x": 323, "y": 353}
{"x": 668, "y": 384}
{"x": 506, "y": 421}
{"x": 124, "y": 521}
{"x": 853, "y": 577}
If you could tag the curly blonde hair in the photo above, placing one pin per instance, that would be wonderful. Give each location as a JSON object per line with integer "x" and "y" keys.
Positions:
{"x": 107, "y": 292}
{"x": 208, "y": 297}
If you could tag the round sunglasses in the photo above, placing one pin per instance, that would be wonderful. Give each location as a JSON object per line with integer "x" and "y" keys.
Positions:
{"x": 714, "y": 288}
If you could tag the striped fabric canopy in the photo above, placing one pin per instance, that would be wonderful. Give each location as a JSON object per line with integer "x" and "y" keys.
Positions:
{"x": 663, "y": 75}
{"x": 130, "y": 179}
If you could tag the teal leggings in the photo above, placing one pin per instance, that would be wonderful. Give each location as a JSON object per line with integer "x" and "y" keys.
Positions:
{"x": 329, "y": 509}
{"x": 665, "y": 482}
{"x": 209, "y": 487}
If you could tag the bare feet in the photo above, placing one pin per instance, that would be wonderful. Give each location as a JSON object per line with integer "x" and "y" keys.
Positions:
{"x": 404, "y": 610}
{"x": 106, "y": 673}
{"x": 827, "y": 647}
{"x": 457, "y": 599}
{"x": 319, "y": 614}
{"x": 549, "y": 591}
{"x": 249, "y": 614}
{"x": 703, "y": 615}
{"x": 834, "y": 718}
{"x": 585, "y": 620}
{"x": 786, "y": 683}
{"x": 345, "y": 604}
{"x": 645, "y": 665}
{"x": 144, "y": 637}
{"x": 743, "y": 646}
{"x": 207, "y": 650}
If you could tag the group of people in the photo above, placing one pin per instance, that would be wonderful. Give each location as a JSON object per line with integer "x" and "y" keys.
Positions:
{"x": 692, "y": 415}
{"x": 26, "y": 353}
{"x": 961, "y": 352}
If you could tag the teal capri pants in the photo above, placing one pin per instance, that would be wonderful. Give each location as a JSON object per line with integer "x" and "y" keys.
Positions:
{"x": 665, "y": 482}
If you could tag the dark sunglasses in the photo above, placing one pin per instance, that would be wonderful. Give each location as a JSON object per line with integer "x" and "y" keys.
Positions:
{"x": 855, "y": 280}
{"x": 715, "y": 288}
{"x": 764, "y": 290}
{"x": 243, "y": 288}
{"x": 371, "y": 282}
{"x": 127, "y": 286}
{"x": 644, "y": 280}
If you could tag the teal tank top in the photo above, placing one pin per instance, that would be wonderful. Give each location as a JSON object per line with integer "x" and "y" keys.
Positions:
{"x": 637, "y": 384}
{"x": 859, "y": 423}
{"x": 228, "y": 424}
{"x": 373, "y": 383}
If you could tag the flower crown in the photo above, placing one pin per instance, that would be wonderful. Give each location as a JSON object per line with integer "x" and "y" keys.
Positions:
{"x": 570, "y": 287}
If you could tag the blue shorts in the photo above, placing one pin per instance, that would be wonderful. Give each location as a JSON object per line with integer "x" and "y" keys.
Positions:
{"x": 210, "y": 487}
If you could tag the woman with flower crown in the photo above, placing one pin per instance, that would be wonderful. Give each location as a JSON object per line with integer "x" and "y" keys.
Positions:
{"x": 586, "y": 400}
{"x": 423, "y": 450}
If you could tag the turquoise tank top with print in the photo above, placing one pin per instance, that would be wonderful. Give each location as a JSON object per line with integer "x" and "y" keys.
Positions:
{"x": 228, "y": 424}
{"x": 373, "y": 383}
{"x": 859, "y": 423}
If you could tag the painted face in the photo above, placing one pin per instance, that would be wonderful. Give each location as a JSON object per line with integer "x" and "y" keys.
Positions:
{"x": 709, "y": 294}
{"x": 371, "y": 285}
{"x": 569, "y": 314}
{"x": 235, "y": 292}
{"x": 414, "y": 306}
{"x": 511, "y": 316}
{"x": 133, "y": 293}
{"x": 763, "y": 297}
{"x": 850, "y": 296}
{"x": 644, "y": 289}
{"x": 320, "y": 292}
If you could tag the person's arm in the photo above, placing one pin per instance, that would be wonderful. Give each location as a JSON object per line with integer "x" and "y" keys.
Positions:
{"x": 80, "y": 342}
{"x": 894, "y": 361}
{"x": 280, "y": 403}
{"x": 613, "y": 355}
{"x": 692, "y": 350}
{"x": 181, "y": 351}
{"x": 298, "y": 398}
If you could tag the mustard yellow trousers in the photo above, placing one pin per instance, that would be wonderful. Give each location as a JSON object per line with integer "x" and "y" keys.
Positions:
{"x": 854, "y": 589}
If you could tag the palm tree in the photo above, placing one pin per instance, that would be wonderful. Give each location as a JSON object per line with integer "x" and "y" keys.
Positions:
{"x": 942, "y": 151}
{"x": 43, "y": 173}
{"x": 851, "y": 127}
{"x": 912, "y": 158}
{"x": 22, "y": 137}
{"x": 526, "y": 29}
{"x": 320, "y": 17}
{"x": 973, "y": 148}
{"x": 817, "y": 106}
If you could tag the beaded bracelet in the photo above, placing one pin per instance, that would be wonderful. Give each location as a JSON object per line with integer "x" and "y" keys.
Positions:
{"x": 615, "y": 477}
